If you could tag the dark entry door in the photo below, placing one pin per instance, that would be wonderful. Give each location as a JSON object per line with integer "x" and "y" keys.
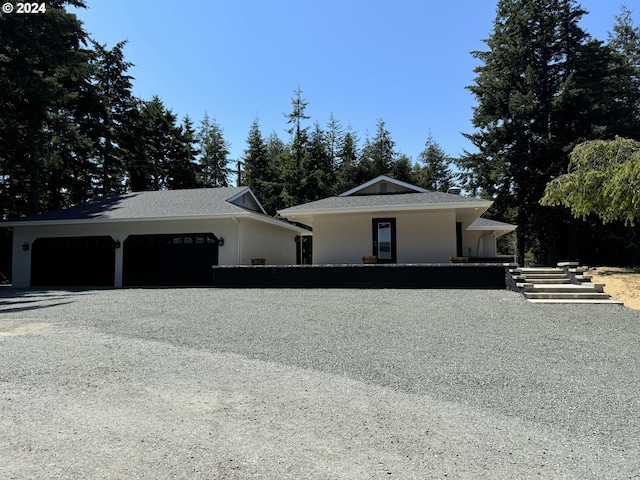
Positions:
{"x": 384, "y": 239}
{"x": 169, "y": 260}
{"x": 73, "y": 261}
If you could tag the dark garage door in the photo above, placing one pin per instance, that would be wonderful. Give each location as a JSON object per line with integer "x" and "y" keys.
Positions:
{"x": 169, "y": 260}
{"x": 73, "y": 261}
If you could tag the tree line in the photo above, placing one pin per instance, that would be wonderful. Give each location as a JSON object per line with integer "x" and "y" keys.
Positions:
{"x": 71, "y": 129}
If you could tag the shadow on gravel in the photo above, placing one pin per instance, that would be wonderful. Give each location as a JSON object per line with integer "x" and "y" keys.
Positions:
{"x": 22, "y": 300}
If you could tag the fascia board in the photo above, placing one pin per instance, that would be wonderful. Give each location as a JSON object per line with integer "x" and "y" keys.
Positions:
{"x": 47, "y": 223}
{"x": 290, "y": 213}
{"x": 383, "y": 178}
{"x": 492, "y": 229}
{"x": 278, "y": 223}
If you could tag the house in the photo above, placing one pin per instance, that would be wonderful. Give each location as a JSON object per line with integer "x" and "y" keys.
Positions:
{"x": 397, "y": 223}
{"x": 170, "y": 237}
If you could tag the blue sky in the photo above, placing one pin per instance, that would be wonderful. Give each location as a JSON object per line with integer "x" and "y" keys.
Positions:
{"x": 406, "y": 62}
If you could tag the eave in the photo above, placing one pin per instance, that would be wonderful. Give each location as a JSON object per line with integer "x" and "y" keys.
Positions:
{"x": 305, "y": 216}
{"x": 92, "y": 221}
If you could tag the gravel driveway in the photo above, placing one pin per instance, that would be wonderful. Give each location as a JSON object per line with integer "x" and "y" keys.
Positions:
{"x": 318, "y": 384}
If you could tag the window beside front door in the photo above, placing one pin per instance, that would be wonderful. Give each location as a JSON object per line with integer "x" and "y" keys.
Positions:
{"x": 384, "y": 239}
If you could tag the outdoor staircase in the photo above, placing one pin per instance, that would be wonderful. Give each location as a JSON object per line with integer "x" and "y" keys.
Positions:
{"x": 565, "y": 283}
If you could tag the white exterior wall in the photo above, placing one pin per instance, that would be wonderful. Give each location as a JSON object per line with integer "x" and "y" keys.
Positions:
{"x": 480, "y": 244}
{"x": 260, "y": 240}
{"x": 423, "y": 237}
{"x": 426, "y": 237}
{"x": 341, "y": 238}
{"x": 222, "y": 228}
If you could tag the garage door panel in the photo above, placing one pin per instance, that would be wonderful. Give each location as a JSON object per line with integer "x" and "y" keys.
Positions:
{"x": 73, "y": 261}
{"x": 169, "y": 259}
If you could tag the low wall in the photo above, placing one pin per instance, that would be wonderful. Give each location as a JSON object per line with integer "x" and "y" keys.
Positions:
{"x": 453, "y": 276}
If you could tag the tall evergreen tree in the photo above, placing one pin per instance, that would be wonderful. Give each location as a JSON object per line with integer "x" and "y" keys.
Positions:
{"x": 279, "y": 160}
{"x": 334, "y": 134}
{"x": 161, "y": 154}
{"x": 538, "y": 92}
{"x": 44, "y": 71}
{"x": 295, "y": 175}
{"x": 624, "y": 40}
{"x": 402, "y": 170}
{"x": 260, "y": 174}
{"x": 114, "y": 90}
{"x": 182, "y": 171}
{"x": 379, "y": 153}
{"x": 434, "y": 173}
{"x": 300, "y": 134}
{"x": 348, "y": 174}
{"x": 214, "y": 153}
{"x": 320, "y": 171}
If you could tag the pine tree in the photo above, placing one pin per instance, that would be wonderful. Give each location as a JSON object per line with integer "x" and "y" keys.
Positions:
{"x": 624, "y": 40}
{"x": 182, "y": 171}
{"x": 260, "y": 172}
{"x": 379, "y": 154}
{"x": 334, "y": 134}
{"x": 435, "y": 172}
{"x": 403, "y": 170}
{"x": 214, "y": 152}
{"x": 347, "y": 172}
{"x": 44, "y": 73}
{"x": 538, "y": 92}
{"x": 161, "y": 154}
{"x": 296, "y": 172}
{"x": 117, "y": 101}
{"x": 320, "y": 172}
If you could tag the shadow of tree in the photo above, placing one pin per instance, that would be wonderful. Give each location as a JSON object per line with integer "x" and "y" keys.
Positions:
{"x": 21, "y": 300}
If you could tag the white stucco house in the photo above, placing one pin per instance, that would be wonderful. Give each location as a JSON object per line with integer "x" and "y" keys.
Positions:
{"x": 398, "y": 223}
{"x": 168, "y": 237}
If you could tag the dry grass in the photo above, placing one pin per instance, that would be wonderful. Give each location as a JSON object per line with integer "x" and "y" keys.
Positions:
{"x": 623, "y": 284}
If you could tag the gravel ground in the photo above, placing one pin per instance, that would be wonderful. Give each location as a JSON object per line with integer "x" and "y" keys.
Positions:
{"x": 326, "y": 384}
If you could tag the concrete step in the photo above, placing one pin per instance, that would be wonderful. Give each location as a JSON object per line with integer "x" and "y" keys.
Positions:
{"x": 553, "y": 285}
{"x": 573, "y": 300}
{"x": 543, "y": 276}
{"x": 566, "y": 296}
{"x": 549, "y": 281}
{"x": 526, "y": 270}
{"x": 566, "y": 288}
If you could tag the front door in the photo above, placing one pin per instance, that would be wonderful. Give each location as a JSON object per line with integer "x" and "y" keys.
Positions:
{"x": 384, "y": 239}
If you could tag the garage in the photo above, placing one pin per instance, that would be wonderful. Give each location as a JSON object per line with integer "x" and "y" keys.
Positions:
{"x": 158, "y": 238}
{"x": 183, "y": 259}
{"x": 73, "y": 261}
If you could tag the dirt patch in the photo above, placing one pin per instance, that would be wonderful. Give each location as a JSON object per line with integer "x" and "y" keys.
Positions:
{"x": 14, "y": 329}
{"x": 623, "y": 284}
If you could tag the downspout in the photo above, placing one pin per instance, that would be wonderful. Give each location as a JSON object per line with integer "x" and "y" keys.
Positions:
{"x": 239, "y": 242}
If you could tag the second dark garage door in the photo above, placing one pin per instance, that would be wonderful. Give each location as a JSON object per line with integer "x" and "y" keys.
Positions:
{"x": 169, "y": 260}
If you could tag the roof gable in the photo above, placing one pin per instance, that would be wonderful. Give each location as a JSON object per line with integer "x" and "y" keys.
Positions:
{"x": 383, "y": 185}
{"x": 246, "y": 199}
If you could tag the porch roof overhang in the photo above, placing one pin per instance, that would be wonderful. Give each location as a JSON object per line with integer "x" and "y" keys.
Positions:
{"x": 493, "y": 226}
{"x": 466, "y": 212}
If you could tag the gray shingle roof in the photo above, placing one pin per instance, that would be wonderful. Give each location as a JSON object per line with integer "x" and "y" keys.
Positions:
{"x": 363, "y": 201}
{"x": 146, "y": 205}
{"x": 486, "y": 224}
